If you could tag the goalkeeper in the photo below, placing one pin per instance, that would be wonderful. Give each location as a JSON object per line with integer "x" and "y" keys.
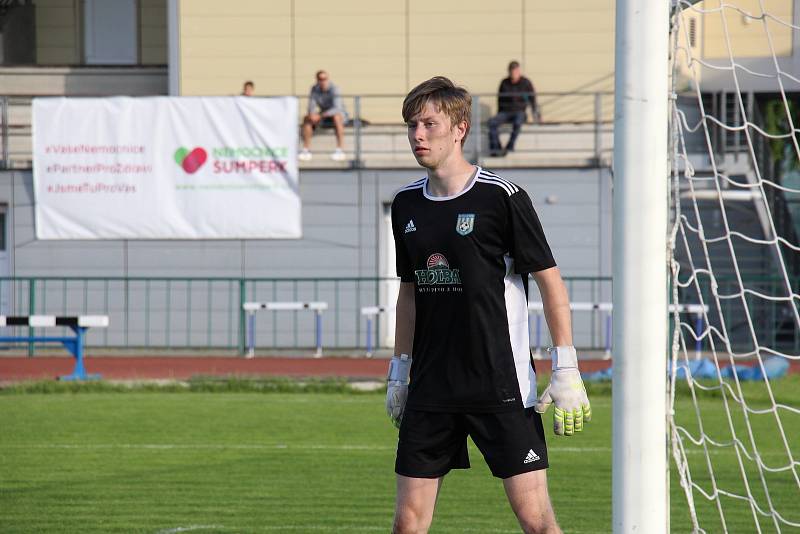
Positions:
{"x": 466, "y": 240}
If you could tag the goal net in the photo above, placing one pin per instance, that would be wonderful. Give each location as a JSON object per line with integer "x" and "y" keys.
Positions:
{"x": 734, "y": 407}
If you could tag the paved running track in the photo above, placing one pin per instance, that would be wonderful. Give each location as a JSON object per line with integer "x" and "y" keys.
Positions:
{"x": 14, "y": 369}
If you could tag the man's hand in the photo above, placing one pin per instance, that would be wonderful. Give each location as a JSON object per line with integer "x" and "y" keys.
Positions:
{"x": 567, "y": 392}
{"x": 397, "y": 387}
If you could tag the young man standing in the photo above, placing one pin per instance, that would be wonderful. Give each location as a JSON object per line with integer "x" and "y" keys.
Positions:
{"x": 466, "y": 240}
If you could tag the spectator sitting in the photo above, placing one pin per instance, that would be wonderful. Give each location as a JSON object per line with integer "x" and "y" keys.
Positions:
{"x": 515, "y": 94}
{"x": 248, "y": 89}
{"x": 325, "y": 107}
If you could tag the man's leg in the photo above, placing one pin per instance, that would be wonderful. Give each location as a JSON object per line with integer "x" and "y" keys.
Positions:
{"x": 494, "y": 139}
{"x": 513, "y": 444}
{"x": 309, "y": 122}
{"x": 430, "y": 444}
{"x": 416, "y": 500}
{"x": 527, "y": 494}
{"x": 338, "y": 125}
{"x": 517, "y": 119}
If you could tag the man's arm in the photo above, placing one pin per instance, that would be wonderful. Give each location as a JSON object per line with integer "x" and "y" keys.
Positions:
{"x": 537, "y": 117}
{"x": 555, "y": 301}
{"x": 500, "y": 97}
{"x": 400, "y": 366}
{"x": 312, "y": 102}
{"x": 405, "y": 314}
{"x": 566, "y": 389}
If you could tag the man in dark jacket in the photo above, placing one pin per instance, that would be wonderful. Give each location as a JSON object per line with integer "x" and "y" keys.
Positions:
{"x": 515, "y": 94}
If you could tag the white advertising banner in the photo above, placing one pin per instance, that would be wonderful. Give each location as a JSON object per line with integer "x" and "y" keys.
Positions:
{"x": 166, "y": 168}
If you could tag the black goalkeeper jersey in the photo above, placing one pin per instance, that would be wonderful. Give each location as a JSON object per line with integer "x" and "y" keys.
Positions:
{"x": 469, "y": 256}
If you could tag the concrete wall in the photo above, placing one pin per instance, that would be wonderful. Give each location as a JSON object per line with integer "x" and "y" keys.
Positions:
{"x": 726, "y": 33}
{"x": 340, "y": 213}
{"x": 748, "y": 36}
{"x": 343, "y": 218}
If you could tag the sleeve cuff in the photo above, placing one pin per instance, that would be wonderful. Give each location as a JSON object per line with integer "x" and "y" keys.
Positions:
{"x": 533, "y": 267}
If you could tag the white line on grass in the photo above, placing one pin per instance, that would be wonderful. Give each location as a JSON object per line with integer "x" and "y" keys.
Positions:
{"x": 315, "y": 527}
{"x": 331, "y": 528}
{"x": 220, "y": 446}
{"x": 189, "y": 528}
{"x": 325, "y": 528}
{"x": 215, "y": 446}
{"x": 368, "y": 528}
{"x": 283, "y": 446}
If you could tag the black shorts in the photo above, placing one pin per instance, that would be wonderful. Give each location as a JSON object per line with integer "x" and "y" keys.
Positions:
{"x": 433, "y": 443}
{"x": 324, "y": 122}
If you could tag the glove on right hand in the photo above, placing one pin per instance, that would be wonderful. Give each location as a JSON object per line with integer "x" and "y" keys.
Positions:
{"x": 397, "y": 387}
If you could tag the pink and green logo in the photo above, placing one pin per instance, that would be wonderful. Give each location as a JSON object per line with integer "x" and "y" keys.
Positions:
{"x": 190, "y": 160}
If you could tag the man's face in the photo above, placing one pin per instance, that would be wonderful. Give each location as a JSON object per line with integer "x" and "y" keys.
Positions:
{"x": 248, "y": 90}
{"x": 432, "y": 138}
{"x": 323, "y": 81}
{"x": 515, "y": 74}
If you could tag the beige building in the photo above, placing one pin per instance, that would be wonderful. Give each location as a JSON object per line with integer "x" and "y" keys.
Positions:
{"x": 380, "y": 48}
{"x": 386, "y": 47}
{"x": 712, "y": 38}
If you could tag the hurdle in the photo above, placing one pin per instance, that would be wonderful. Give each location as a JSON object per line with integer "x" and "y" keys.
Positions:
{"x": 252, "y": 307}
{"x": 538, "y": 309}
{"x": 695, "y": 309}
{"x": 369, "y": 312}
{"x": 79, "y": 324}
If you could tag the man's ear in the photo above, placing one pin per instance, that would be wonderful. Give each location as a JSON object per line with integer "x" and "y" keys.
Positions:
{"x": 461, "y": 130}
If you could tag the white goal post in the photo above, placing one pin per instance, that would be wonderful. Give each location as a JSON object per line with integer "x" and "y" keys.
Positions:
{"x": 706, "y": 212}
{"x": 639, "y": 442}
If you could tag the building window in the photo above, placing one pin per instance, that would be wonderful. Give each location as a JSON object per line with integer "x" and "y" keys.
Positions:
{"x": 110, "y": 32}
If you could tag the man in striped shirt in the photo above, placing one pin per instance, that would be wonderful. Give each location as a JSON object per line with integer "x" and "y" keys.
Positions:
{"x": 466, "y": 240}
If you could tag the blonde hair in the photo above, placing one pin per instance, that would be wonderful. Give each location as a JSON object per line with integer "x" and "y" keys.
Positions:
{"x": 454, "y": 101}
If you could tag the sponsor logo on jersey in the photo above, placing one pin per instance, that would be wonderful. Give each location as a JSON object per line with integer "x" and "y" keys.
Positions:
{"x": 410, "y": 226}
{"x": 438, "y": 272}
{"x": 465, "y": 223}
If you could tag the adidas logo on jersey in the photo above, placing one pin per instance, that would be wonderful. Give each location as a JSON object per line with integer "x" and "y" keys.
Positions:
{"x": 410, "y": 226}
{"x": 531, "y": 457}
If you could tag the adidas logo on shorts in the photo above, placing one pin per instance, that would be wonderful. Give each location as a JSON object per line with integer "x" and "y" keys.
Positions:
{"x": 531, "y": 457}
{"x": 410, "y": 226}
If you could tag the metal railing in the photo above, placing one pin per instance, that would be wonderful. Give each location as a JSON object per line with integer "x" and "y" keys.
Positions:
{"x": 4, "y": 156}
{"x": 207, "y": 313}
{"x": 167, "y": 313}
{"x": 574, "y": 126}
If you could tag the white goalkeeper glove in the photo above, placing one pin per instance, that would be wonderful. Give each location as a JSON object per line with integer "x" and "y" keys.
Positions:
{"x": 567, "y": 392}
{"x": 397, "y": 387}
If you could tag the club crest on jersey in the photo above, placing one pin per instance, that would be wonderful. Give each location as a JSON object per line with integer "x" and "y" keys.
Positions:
{"x": 465, "y": 223}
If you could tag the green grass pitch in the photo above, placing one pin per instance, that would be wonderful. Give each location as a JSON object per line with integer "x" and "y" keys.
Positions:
{"x": 168, "y": 462}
